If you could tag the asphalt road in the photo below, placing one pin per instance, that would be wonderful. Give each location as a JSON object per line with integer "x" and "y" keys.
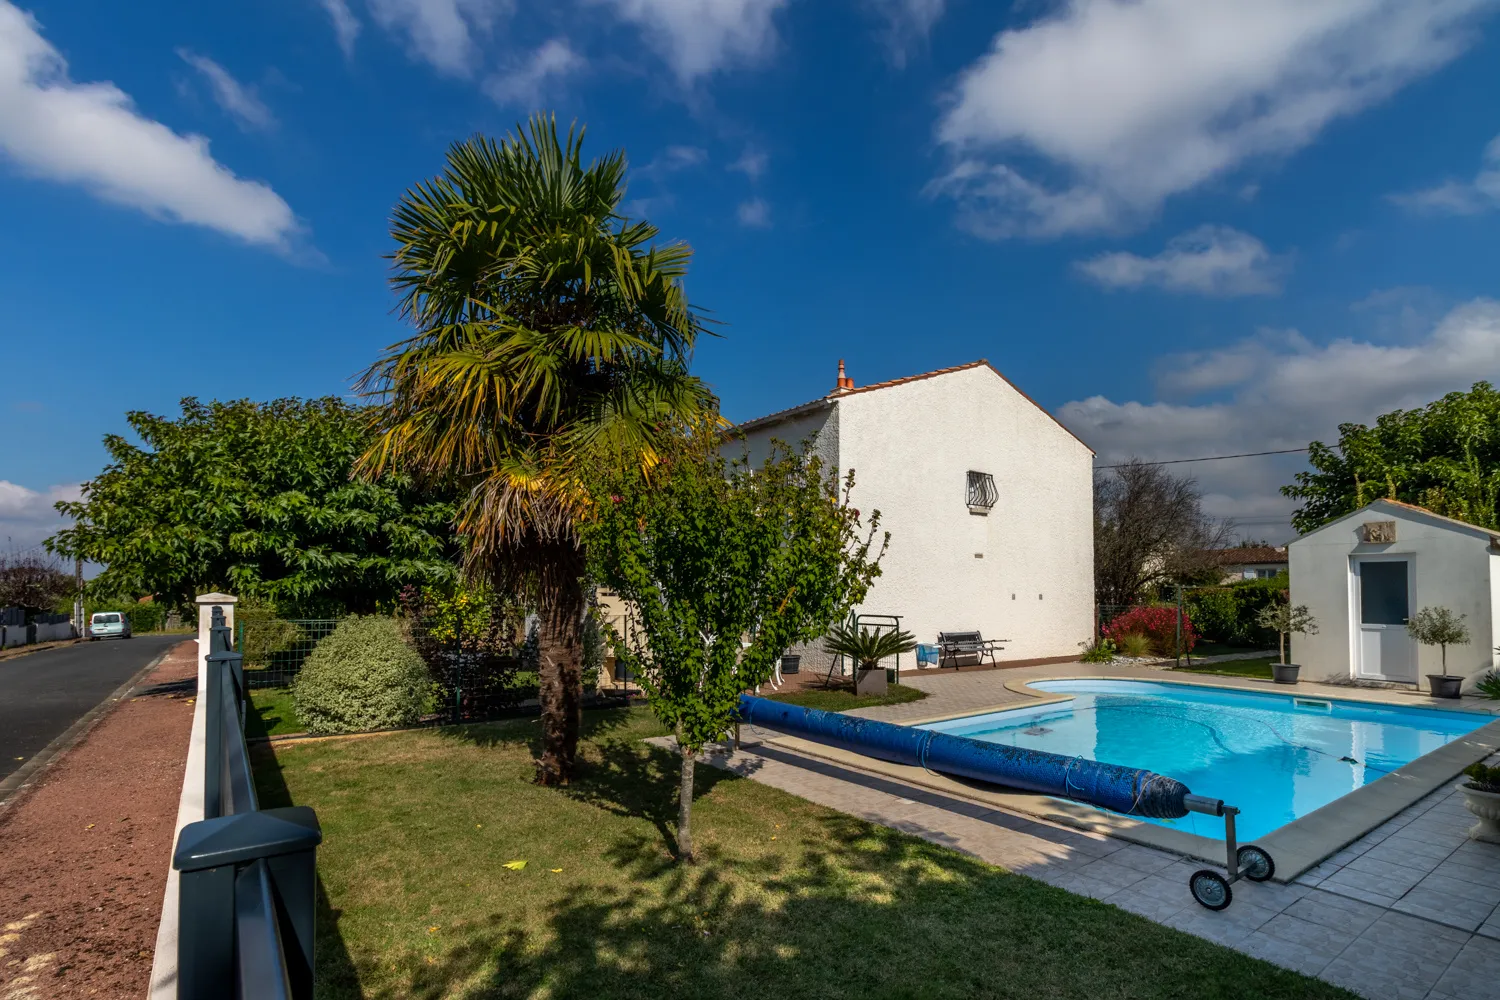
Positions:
{"x": 43, "y": 693}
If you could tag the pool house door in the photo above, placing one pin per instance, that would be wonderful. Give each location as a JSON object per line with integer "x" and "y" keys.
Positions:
{"x": 1382, "y": 603}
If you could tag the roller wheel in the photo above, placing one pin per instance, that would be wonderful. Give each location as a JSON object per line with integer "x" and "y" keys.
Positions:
{"x": 1210, "y": 889}
{"x": 1255, "y": 864}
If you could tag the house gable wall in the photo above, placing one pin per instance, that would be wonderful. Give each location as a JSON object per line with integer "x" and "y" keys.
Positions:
{"x": 911, "y": 447}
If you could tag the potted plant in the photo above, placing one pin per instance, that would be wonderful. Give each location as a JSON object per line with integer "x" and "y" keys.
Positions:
{"x": 1286, "y": 620}
{"x": 1442, "y": 628}
{"x": 1482, "y": 798}
{"x": 867, "y": 648}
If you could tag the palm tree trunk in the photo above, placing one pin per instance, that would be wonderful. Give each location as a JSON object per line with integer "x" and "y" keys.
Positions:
{"x": 685, "y": 809}
{"x": 560, "y": 680}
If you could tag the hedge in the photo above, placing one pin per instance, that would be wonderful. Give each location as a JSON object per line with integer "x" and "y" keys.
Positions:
{"x": 1227, "y": 614}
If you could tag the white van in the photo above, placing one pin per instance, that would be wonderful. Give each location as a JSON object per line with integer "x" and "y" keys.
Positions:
{"x": 109, "y": 625}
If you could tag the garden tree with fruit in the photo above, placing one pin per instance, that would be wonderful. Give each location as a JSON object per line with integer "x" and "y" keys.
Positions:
{"x": 1439, "y": 627}
{"x": 552, "y": 340}
{"x": 1149, "y": 529}
{"x": 1444, "y": 456}
{"x": 726, "y": 567}
{"x": 257, "y": 499}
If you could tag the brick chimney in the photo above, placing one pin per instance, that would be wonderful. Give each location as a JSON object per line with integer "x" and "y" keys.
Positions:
{"x": 845, "y": 382}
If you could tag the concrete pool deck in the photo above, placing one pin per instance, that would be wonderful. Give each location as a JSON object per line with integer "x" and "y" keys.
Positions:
{"x": 1410, "y": 908}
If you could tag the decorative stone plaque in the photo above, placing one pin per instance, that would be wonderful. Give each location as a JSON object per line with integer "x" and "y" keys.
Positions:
{"x": 1378, "y": 532}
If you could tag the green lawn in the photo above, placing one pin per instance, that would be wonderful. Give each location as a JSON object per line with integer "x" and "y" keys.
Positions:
{"x": 843, "y": 699}
{"x": 1209, "y": 648}
{"x": 791, "y": 900}
{"x": 271, "y": 713}
{"x": 1260, "y": 668}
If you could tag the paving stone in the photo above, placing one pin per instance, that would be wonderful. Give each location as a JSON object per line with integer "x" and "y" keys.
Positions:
{"x": 1463, "y": 888}
{"x": 1332, "y": 938}
{"x": 1453, "y": 911}
{"x": 1475, "y": 973}
{"x": 1307, "y": 959}
{"x": 1337, "y": 912}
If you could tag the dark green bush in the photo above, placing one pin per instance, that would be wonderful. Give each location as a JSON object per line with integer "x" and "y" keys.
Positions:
{"x": 362, "y": 676}
{"x": 1227, "y": 614}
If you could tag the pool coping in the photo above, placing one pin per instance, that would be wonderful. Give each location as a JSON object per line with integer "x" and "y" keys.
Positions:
{"x": 1296, "y": 847}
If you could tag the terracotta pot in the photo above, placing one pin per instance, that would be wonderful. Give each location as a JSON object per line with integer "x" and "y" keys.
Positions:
{"x": 1485, "y": 805}
{"x": 1285, "y": 673}
{"x": 1445, "y": 685}
{"x": 870, "y": 681}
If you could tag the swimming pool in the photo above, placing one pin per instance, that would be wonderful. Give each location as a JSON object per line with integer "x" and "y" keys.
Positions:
{"x": 1276, "y": 757}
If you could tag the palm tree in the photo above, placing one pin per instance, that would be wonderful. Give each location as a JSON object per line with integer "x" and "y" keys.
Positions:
{"x": 865, "y": 647}
{"x": 551, "y": 337}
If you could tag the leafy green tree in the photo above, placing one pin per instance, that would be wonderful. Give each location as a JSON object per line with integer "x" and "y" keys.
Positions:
{"x": 1439, "y": 627}
{"x": 552, "y": 339}
{"x": 1286, "y": 619}
{"x": 725, "y": 568}
{"x": 1444, "y": 456}
{"x": 257, "y": 499}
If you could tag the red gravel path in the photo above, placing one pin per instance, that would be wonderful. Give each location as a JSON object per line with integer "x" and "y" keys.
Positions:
{"x": 83, "y": 856}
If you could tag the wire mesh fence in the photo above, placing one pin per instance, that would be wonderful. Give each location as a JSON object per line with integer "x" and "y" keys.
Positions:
{"x": 486, "y": 671}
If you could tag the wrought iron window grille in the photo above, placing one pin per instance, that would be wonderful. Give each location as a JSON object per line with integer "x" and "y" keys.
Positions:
{"x": 982, "y": 492}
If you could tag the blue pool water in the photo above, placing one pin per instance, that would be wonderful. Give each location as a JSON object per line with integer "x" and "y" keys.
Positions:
{"x": 1276, "y": 757}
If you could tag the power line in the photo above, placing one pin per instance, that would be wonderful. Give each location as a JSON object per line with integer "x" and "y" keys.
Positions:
{"x": 1207, "y": 458}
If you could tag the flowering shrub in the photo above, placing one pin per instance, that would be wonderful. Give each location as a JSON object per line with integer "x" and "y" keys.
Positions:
{"x": 1159, "y": 624}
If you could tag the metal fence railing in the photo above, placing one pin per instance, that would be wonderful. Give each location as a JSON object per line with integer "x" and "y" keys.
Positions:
{"x": 481, "y": 674}
{"x": 274, "y": 649}
{"x": 248, "y": 877}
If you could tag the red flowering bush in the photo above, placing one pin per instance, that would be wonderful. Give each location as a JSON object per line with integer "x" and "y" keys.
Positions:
{"x": 1159, "y": 624}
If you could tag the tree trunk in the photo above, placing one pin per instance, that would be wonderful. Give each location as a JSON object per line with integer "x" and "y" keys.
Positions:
{"x": 685, "y": 808}
{"x": 1281, "y": 641}
{"x": 560, "y": 676}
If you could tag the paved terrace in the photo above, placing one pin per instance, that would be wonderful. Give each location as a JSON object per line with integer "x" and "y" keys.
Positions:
{"x": 1411, "y": 909}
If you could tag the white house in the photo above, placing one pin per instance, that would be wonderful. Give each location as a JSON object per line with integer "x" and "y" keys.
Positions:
{"x": 988, "y": 499}
{"x": 1363, "y": 575}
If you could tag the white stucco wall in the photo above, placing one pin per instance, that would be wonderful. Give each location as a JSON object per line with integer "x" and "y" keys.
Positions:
{"x": 911, "y": 447}
{"x": 1452, "y": 567}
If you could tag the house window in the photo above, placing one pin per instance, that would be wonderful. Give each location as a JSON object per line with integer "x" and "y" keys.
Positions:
{"x": 982, "y": 492}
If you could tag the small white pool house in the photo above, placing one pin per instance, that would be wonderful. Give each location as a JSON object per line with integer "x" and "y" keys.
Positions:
{"x": 1363, "y": 575}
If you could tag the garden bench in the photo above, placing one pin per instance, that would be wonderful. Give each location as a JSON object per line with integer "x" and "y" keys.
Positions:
{"x": 952, "y": 645}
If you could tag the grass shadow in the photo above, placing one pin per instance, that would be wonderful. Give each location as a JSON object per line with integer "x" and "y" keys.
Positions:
{"x": 335, "y": 974}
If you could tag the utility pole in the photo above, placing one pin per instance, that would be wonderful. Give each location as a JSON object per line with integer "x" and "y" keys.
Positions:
{"x": 78, "y": 625}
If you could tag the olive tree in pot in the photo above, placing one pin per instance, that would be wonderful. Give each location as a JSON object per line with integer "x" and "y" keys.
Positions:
{"x": 1286, "y": 619}
{"x": 1442, "y": 628}
{"x": 867, "y": 648}
{"x": 1482, "y": 798}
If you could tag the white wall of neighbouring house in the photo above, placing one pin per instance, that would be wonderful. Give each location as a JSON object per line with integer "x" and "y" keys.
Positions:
{"x": 1023, "y": 572}
{"x": 1452, "y": 566}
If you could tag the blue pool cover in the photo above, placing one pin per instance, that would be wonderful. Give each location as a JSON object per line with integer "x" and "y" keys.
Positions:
{"x": 1127, "y": 790}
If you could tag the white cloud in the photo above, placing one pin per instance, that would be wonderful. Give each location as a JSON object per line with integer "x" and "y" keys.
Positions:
{"x": 237, "y": 100}
{"x": 526, "y": 82}
{"x": 1209, "y": 260}
{"x": 1280, "y": 390}
{"x": 91, "y": 134}
{"x": 345, "y": 25}
{"x": 1120, "y": 104}
{"x": 1461, "y": 197}
{"x": 752, "y": 163}
{"x": 754, "y": 214}
{"x": 26, "y": 515}
{"x": 907, "y": 23}
{"x": 441, "y": 32}
{"x": 673, "y": 159}
{"x": 698, "y": 37}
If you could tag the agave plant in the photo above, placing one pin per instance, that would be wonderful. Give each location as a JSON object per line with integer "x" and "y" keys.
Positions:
{"x": 865, "y": 647}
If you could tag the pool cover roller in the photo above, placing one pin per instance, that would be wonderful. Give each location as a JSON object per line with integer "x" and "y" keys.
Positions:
{"x": 1127, "y": 790}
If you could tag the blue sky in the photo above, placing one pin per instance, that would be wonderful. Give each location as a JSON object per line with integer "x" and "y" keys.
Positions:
{"x": 1188, "y": 227}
